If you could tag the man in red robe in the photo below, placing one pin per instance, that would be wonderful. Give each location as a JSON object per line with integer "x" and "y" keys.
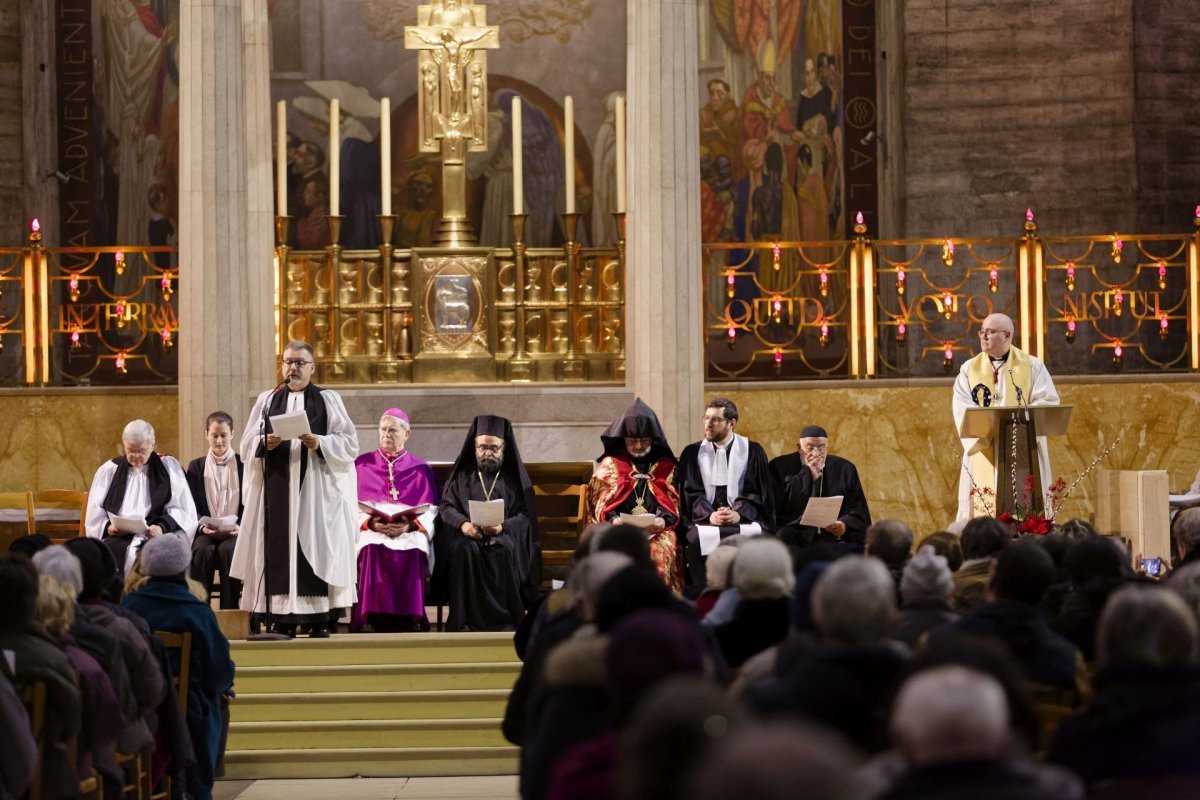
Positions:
{"x": 635, "y": 478}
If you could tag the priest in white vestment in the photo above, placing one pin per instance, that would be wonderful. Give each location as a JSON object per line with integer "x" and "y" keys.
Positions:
{"x": 139, "y": 485}
{"x": 311, "y": 493}
{"x": 1000, "y": 375}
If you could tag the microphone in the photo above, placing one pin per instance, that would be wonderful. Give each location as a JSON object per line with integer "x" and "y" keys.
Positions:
{"x": 283, "y": 383}
{"x": 1020, "y": 395}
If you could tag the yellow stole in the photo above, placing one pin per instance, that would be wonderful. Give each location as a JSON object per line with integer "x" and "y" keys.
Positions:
{"x": 979, "y": 373}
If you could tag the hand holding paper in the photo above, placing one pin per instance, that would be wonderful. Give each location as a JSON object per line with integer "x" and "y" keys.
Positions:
{"x": 637, "y": 520}
{"x": 128, "y": 524}
{"x": 821, "y": 512}
{"x": 393, "y": 512}
{"x": 291, "y": 425}
{"x": 487, "y": 513}
{"x": 220, "y": 524}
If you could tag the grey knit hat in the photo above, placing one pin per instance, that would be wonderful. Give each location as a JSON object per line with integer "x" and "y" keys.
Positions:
{"x": 926, "y": 577}
{"x": 165, "y": 556}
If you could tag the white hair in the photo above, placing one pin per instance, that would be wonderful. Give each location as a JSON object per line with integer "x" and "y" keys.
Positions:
{"x": 61, "y": 564}
{"x": 854, "y": 601}
{"x": 950, "y": 713}
{"x": 403, "y": 423}
{"x": 763, "y": 569}
{"x": 716, "y": 568}
{"x": 138, "y": 432}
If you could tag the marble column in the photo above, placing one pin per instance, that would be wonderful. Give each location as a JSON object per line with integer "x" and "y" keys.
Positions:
{"x": 663, "y": 284}
{"x": 226, "y": 301}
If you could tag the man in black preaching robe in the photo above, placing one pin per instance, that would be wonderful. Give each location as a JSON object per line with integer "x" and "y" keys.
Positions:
{"x": 725, "y": 486}
{"x": 812, "y": 472}
{"x": 486, "y": 574}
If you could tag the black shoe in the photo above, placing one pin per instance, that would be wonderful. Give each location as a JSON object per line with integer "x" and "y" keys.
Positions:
{"x": 255, "y": 627}
{"x": 318, "y": 631}
{"x": 287, "y": 629}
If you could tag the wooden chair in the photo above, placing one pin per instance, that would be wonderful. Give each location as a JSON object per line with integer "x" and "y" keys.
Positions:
{"x": 34, "y": 698}
{"x": 15, "y": 523}
{"x": 561, "y": 518}
{"x": 59, "y": 531}
{"x": 183, "y": 643}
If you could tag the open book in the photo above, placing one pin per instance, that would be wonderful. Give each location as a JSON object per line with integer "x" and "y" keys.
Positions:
{"x": 393, "y": 512}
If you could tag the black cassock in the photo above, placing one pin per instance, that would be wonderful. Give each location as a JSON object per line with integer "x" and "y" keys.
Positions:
{"x": 794, "y": 485}
{"x": 210, "y": 554}
{"x": 483, "y": 579}
{"x": 754, "y": 502}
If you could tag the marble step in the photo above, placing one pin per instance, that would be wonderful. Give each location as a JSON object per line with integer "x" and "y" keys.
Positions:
{"x": 377, "y": 648}
{"x": 365, "y": 733}
{"x": 377, "y": 677}
{"x": 411, "y": 705}
{"x": 371, "y": 762}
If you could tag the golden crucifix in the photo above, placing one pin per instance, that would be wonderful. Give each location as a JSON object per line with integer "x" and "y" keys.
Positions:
{"x": 452, "y": 36}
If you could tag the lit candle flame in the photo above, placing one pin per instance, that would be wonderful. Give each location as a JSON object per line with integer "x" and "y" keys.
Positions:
{"x": 778, "y": 356}
{"x": 1118, "y": 351}
{"x": 35, "y": 224}
{"x": 858, "y": 218}
{"x": 1029, "y": 214}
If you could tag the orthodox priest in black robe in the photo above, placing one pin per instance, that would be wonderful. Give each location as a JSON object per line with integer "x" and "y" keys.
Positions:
{"x": 487, "y": 574}
{"x": 812, "y": 472}
{"x": 725, "y": 486}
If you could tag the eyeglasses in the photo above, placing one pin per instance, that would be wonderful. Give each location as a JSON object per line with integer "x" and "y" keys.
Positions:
{"x": 488, "y": 448}
{"x": 985, "y": 333}
{"x": 296, "y": 362}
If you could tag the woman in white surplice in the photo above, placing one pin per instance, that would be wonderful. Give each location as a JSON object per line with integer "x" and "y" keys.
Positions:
{"x": 311, "y": 490}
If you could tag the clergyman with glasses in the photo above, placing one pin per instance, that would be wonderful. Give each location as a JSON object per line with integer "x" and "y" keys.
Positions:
{"x": 812, "y": 472}
{"x": 1000, "y": 375}
{"x": 311, "y": 490}
{"x": 487, "y": 572}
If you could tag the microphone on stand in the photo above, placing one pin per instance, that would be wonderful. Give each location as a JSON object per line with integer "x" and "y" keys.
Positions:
{"x": 268, "y": 622}
{"x": 1020, "y": 395}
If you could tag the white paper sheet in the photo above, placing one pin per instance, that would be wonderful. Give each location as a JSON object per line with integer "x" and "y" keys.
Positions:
{"x": 821, "y": 512}
{"x": 291, "y": 425}
{"x": 1183, "y": 500}
{"x": 487, "y": 513}
{"x": 391, "y": 512}
{"x": 220, "y": 524}
{"x": 710, "y": 535}
{"x": 128, "y": 524}
{"x": 637, "y": 520}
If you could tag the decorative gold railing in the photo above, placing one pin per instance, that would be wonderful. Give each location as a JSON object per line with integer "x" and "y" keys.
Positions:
{"x": 527, "y": 314}
{"x": 87, "y": 315}
{"x": 909, "y": 308}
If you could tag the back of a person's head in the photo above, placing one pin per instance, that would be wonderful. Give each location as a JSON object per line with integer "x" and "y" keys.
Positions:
{"x": 633, "y": 588}
{"x": 926, "y": 577}
{"x": 624, "y": 539}
{"x": 1187, "y": 529}
{"x": 679, "y": 722}
{"x": 1023, "y": 573}
{"x": 992, "y": 657}
{"x": 950, "y": 713}
{"x": 778, "y": 761}
{"x": 60, "y": 563}
{"x": 98, "y": 567}
{"x": 1056, "y": 546}
{"x": 18, "y": 591}
{"x": 645, "y": 648}
{"x": 29, "y": 545}
{"x": 891, "y": 541}
{"x": 589, "y": 577}
{"x": 1185, "y": 582}
{"x": 1093, "y": 558}
{"x": 718, "y": 567}
{"x": 763, "y": 569}
{"x": 983, "y": 537}
{"x": 854, "y": 601}
{"x": 1076, "y": 530}
{"x": 55, "y": 607}
{"x": 948, "y": 546}
{"x": 1146, "y": 627}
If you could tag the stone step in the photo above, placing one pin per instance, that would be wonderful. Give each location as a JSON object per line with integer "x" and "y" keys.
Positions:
{"x": 413, "y": 705}
{"x": 374, "y": 762}
{"x": 364, "y": 733}
{"x": 377, "y": 648}
{"x": 378, "y": 677}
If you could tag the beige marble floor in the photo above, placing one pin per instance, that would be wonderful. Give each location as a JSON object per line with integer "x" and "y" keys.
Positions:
{"x": 498, "y": 787}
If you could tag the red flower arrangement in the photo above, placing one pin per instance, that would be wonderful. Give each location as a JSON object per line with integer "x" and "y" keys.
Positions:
{"x": 1022, "y": 519}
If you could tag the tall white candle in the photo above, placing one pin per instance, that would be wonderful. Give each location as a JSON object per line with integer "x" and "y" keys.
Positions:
{"x": 619, "y": 124}
{"x": 385, "y": 154}
{"x": 569, "y": 137}
{"x": 335, "y": 158}
{"x": 281, "y": 197}
{"x": 518, "y": 157}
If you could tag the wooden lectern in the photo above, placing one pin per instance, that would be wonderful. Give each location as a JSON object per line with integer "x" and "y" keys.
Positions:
{"x": 998, "y": 423}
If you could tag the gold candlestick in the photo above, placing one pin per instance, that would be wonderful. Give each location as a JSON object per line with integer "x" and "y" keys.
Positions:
{"x": 572, "y": 364}
{"x": 387, "y": 223}
{"x": 519, "y": 367}
{"x": 333, "y": 257}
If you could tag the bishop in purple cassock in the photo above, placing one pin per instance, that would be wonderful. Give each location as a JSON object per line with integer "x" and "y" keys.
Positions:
{"x": 394, "y": 557}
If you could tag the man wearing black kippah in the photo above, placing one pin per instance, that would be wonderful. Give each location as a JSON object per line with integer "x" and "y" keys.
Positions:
{"x": 812, "y": 472}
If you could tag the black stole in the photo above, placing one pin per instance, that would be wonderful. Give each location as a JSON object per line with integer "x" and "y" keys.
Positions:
{"x": 278, "y": 487}
{"x": 160, "y": 491}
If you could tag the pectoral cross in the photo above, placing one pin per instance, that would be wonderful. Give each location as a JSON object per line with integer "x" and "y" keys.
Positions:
{"x": 395, "y": 494}
{"x": 451, "y": 36}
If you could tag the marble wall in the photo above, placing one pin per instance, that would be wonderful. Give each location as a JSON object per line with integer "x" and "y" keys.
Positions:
{"x": 57, "y": 439}
{"x": 902, "y": 438}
